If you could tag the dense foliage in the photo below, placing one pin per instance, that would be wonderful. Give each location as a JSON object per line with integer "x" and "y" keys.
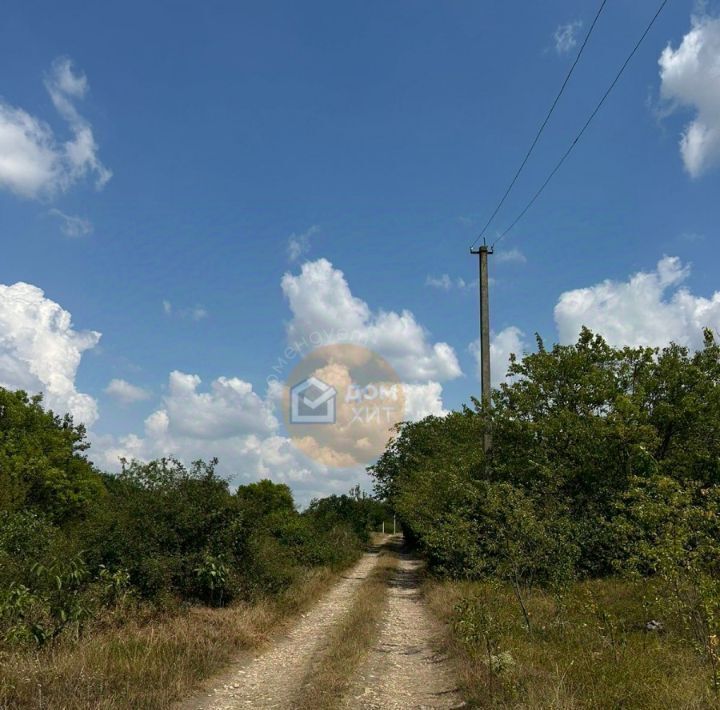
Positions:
{"x": 603, "y": 460}
{"x": 75, "y": 541}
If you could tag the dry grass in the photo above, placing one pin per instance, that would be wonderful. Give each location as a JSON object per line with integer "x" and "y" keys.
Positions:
{"x": 331, "y": 672}
{"x": 594, "y": 653}
{"x": 148, "y": 664}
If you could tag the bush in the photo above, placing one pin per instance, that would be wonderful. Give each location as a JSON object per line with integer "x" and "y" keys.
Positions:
{"x": 74, "y": 542}
{"x": 604, "y": 460}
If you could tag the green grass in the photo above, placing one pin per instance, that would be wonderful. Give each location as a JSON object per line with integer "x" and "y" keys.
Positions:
{"x": 587, "y": 650}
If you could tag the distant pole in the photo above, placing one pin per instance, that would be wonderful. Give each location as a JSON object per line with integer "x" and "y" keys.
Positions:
{"x": 393, "y": 523}
{"x": 482, "y": 253}
{"x": 383, "y": 527}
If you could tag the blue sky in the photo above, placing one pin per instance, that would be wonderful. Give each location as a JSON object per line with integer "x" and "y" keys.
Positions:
{"x": 375, "y": 136}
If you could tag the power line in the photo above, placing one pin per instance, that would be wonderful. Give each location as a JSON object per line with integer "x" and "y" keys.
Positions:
{"x": 542, "y": 125}
{"x": 587, "y": 123}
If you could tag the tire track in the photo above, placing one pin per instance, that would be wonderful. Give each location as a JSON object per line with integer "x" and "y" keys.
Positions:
{"x": 274, "y": 677}
{"x": 403, "y": 671}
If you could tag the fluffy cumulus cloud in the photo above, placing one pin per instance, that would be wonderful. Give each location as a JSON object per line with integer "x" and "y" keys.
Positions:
{"x": 323, "y": 305}
{"x": 650, "y": 308}
{"x": 227, "y": 418}
{"x": 229, "y": 406}
{"x": 33, "y": 161}
{"x": 125, "y": 392}
{"x": 690, "y": 77}
{"x": 508, "y": 341}
{"x": 422, "y": 400}
{"x": 192, "y": 420}
{"x": 40, "y": 351}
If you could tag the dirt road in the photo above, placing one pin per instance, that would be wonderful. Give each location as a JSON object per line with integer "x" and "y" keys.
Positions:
{"x": 400, "y": 671}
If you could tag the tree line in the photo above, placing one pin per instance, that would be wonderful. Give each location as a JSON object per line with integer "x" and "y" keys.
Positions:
{"x": 604, "y": 461}
{"x": 77, "y": 543}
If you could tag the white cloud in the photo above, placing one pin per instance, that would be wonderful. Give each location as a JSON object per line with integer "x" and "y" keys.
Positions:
{"x": 29, "y": 160}
{"x": 447, "y": 283}
{"x": 326, "y": 312}
{"x": 443, "y": 282}
{"x": 72, "y": 226}
{"x": 125, "y": 392}
{"x": 231, "y": 421}
{"x": 510, "y": 340}
{"x": 513, "y": 255}
{"x": 690, "y": 76}
{"x": 299, "y": 244}
{"x": 322, "y": 303}
{"x": 190, "y": 422}
{"x": 65, "y": 88}
{"x": 651, "y": 308}
{"x": 40, "y": 351}
{"x": 565, "y": 36}
{"x": 195, "y": 313}
{"x": 423, "y": 400}
{"x": 229, "y": 407}
{"x": 33, "y": 163}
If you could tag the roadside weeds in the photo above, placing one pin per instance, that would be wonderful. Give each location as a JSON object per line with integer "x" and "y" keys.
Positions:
{"x": 151, "y": 664}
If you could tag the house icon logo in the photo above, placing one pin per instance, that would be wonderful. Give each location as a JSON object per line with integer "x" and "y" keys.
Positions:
{"x": 312, "y": 401}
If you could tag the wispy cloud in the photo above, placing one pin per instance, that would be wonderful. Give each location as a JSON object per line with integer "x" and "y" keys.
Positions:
{"x": 299, "y": 244}
{"x": 513, "y": 255}
{"x": 566, "y": 36}
{"x": 447, "y": 283}
{"x": 33, "y": 163}
{"x": 195, "y": 313}
{"x": 692, "y": 237}
{"x": 72, "y": 226}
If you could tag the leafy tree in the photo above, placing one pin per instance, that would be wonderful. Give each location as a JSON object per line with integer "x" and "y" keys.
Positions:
{"x": 265, "y": 497}
{"x": 356, "y": 510}
{"x": 42, "y": 461}
{"x": 576, "y": 430}
{"x": 161, "y": 522}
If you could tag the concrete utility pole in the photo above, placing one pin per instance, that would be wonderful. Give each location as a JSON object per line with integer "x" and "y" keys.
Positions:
{"x": 482, "y": 253}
